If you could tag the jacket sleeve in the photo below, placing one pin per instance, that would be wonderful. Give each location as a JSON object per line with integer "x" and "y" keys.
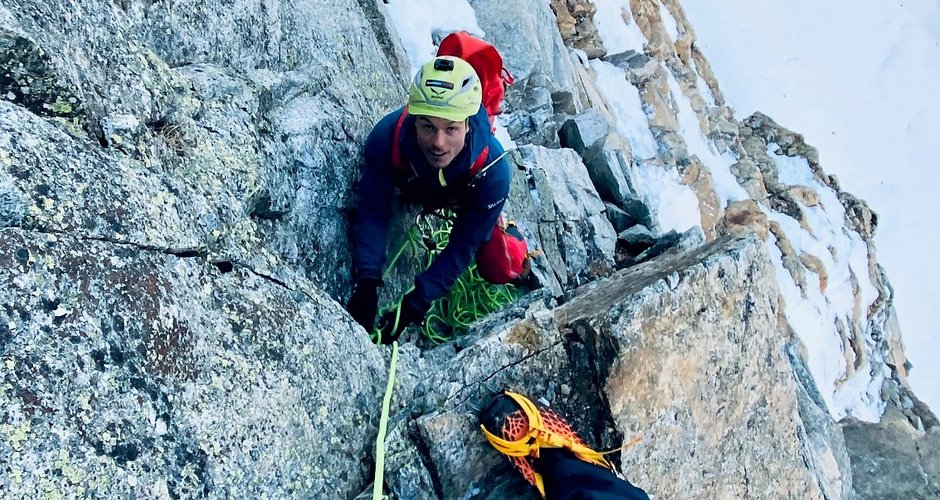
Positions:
{"x": 374, "y": 201}
{"x": 473, "y": 226}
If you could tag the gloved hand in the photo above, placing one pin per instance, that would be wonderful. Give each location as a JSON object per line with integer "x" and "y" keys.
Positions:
{"x": 410, "y": 314}
{"x": 364, "y": 303}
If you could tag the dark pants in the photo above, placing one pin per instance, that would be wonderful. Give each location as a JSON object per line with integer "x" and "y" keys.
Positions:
{"x": 568, "y": 478}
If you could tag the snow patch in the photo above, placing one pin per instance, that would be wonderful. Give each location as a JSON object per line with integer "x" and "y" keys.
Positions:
{"x": 416, "y": 21}
{"x": 616, "y": 27}
{"x": 669, "y": 22}
{"x": 703, "y": 89}
{"x": 846, "y": 293}
{"x": 502, "y": 135}
{"x": 726, "y": 184}
{"x": 624, "y": 101}
{"x": 868, "y": 100}
{"x": 672, "y": 205}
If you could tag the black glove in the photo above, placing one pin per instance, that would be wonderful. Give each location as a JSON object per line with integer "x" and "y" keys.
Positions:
{"x": 409, "y": 315}
{"x": 364, "y": 302}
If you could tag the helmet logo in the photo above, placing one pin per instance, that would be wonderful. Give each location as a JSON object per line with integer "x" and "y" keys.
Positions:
{"x": 446, "y": 87}
{"x": 439, "y": 84}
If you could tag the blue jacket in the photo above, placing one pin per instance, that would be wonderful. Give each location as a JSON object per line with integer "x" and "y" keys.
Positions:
{"x": 478, "y": 205}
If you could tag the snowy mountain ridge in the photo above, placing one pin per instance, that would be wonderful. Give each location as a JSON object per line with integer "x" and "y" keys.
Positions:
{"x": 837, "y": 301}
{"x": 692, "y": 163}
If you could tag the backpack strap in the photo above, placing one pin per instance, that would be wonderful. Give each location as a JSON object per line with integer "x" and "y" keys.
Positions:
{"x": 506, "y": 77}
{"x": 398, "y": 159}
{"x": 480, "y": 162}
{"x": 481, "y": 166}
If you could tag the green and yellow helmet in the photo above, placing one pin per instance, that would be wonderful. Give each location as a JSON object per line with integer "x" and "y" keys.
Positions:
{"x": 446, "y": 87}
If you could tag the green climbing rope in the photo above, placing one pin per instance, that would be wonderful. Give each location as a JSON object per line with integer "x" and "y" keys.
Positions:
{"x": 379, "y": 479}
{"x": 471, "y": 297}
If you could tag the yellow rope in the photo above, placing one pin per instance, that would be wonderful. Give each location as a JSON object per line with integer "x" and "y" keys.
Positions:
{"x": 383, "y": 427}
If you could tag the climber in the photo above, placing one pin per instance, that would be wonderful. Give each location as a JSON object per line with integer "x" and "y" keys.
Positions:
{"x": 549, "y": 454}
{"x": 439, "y": 151}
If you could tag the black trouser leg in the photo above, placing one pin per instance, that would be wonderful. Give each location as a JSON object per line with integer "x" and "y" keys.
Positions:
{"x": 568, "y": 478}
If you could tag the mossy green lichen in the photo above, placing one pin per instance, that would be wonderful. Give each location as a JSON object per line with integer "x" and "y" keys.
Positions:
{"x": 73, "y": 474}
{"x": 49, "y": 490}
{"x": 61, "y": 107}
{"x": 16, "y": 474}
{"x": 72, "y": 125}
{"x": 16, "y": 434}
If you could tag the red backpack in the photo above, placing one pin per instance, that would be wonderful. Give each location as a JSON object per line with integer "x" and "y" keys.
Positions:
{"x": 501, "y": 259}
{"x": 494, "y": 78}
{"x": 488, "y": 64}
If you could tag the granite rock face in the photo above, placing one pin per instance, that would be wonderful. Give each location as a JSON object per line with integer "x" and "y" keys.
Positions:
{"x": 893, "y": 459}
{"x": 707, "y": 385}
{"x": 715, "y": 404}
{"x": 552, "y": 198}
{"x": 777, "y": 188}
{"x": 576, "y": 25}
{"x": 165, "y": 188}
{"x": 130, "y": 370}
{"x": 261, "y": 106}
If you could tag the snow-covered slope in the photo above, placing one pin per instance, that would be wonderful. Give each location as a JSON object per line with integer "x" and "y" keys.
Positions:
{"x": 869, "y": 99}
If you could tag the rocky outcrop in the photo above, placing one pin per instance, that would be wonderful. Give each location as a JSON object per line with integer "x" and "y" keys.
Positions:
{"x": 576, "y": 25}
{"x": 552, "y": 198}
{"x": 774, "y": 149}
{"x": 775, "y": 177}
{"x": 607, "y": 156}
{"x": 130, "y": 370}
{"x": 217, "y": 101}
{"x": 31, "y": 82}
{"x": 893, "y": 459}
{"x": 670, "y": 343}
{"x": 780, "y": 180}
{"x": 643, "y": 352}
{"x": 742, "y": 217}
{"x": 164, "y": 191}
{"x": 537, "y": 58}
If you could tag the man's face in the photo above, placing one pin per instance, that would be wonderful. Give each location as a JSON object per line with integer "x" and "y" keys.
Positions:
{"x": 440, "y": 139}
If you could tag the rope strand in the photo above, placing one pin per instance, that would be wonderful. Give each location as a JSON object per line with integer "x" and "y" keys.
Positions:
{"x": 379, "y": 480}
